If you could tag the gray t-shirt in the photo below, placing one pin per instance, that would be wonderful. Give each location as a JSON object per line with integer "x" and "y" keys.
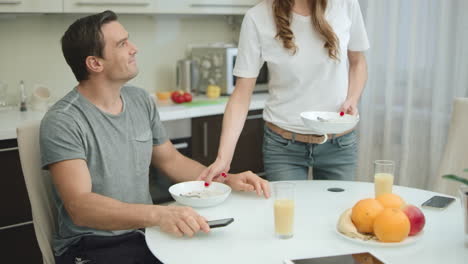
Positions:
{"x": 116, "y": 148}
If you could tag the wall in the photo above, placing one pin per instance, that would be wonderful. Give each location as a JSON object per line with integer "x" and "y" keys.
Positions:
{"x": 30, "y": 48}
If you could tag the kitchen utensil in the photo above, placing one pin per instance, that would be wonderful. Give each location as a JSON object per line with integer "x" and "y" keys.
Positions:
{"x": 23, "y": 107}
{"x": 187, "y": 76}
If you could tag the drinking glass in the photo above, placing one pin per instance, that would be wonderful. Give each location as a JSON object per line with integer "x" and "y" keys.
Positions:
{"x": 284, "y": 193}
{"x": 3, "y": 90}
{"x": 383, "y": 176}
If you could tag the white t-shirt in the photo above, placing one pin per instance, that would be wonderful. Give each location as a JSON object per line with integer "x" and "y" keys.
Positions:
{"x": 308, "y": 80}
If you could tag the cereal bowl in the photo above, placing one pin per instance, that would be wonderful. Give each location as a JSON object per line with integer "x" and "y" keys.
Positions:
{"x": 328, "y": 122}
{"x": 195, "y": 194}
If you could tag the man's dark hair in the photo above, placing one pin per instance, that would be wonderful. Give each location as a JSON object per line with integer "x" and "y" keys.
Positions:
{"x": 84, "y": 38}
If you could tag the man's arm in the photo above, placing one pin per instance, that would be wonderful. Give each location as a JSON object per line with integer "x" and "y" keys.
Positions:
{"x": 73, "y": 183}
{"x": 173, "y": 164}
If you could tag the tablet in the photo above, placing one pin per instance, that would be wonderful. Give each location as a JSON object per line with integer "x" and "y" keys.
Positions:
{"x": 357, "y": 258}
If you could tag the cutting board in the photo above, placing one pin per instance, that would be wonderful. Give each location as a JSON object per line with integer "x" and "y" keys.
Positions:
{"x": 206, "y": 102}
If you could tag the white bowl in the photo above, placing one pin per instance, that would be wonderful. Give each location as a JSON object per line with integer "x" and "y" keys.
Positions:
{"x": 213, "y": 195}
{"x": 334, "y": 123}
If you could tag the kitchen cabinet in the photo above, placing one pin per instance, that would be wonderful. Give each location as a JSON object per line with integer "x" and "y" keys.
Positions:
{"x": 179, "y": 132}
{"x": 31, "y": 6}
{"x": 159, "y": 183}
{"x": 118, "y": 6}
{"x": 228, "y": 7}
{"x": 17, "y": 238}
{"x": 204, "y": 6}
{"x": 206, "y": 132}
{"x": 19, "y": 245}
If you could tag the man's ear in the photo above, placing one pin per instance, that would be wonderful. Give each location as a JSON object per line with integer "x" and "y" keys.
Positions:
{"x": 94, "y": 64}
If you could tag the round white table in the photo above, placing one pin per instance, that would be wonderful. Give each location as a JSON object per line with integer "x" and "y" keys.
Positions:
{"x": 250, "y": 238}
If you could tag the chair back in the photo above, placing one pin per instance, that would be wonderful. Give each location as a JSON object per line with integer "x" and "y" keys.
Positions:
{"x": 39, "y": 186}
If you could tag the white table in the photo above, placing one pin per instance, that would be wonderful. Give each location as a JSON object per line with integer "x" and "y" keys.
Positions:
{"x": 250, "y": 238}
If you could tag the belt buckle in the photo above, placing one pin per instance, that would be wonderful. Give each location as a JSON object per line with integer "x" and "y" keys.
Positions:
{"x": 325, "y": 138}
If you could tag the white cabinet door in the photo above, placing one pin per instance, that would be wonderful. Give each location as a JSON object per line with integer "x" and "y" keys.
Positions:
{"x": 118, "y": 6}
{"x": 31, "y": 6}
{"x": 204, "y": 6}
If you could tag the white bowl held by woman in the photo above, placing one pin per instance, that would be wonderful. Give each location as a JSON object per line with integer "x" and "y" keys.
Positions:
{"x": 195, "y": 194}
{"x": 328, "y": 122}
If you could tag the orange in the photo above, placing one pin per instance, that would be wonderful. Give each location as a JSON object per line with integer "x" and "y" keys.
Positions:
{"x": 163, "y": 95}
{"x": 390, "y": 200}
{"x": 363, "y": 214}
{"x": 391, "y": 225}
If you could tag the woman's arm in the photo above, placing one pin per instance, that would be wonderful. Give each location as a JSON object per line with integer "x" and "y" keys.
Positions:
{"x": 233, "y": 123}
{"x": 357, "y": 81}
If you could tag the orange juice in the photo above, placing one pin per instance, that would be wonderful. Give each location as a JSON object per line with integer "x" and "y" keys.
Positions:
{"x": 284, "y": 217}
{"x": 383, "y": 183}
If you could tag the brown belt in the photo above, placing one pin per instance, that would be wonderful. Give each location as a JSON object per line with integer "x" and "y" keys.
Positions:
{"x": 305, "y": 138}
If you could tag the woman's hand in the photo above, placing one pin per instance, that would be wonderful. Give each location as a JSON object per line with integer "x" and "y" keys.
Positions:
{"x": 217, "y": 171}
{"x": 349, "y": 107}
{"x": 249, "y": 182}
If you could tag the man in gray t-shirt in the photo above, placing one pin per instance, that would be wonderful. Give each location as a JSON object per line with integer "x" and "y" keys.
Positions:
{"x": 98, "y": 143}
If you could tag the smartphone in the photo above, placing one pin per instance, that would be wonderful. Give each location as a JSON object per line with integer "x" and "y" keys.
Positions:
{"x": 361, "y": 258}
{"x": 438, "y": 202}
{"x": 220, "y": 222}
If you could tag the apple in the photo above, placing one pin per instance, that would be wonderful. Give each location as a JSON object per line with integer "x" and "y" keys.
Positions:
{"x": 416, "y": 218}
{"x": 187, "y": 97}
{"x": 178, "y": 97}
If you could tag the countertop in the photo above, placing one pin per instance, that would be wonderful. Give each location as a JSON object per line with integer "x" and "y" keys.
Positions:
{"x": 180, "y": 111}
{"x": 11, "y": 119}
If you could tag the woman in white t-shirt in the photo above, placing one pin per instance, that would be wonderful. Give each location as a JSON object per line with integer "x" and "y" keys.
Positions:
{"x": 313, "y": 49}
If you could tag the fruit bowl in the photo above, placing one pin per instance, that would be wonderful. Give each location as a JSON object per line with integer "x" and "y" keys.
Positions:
{"x": 328, "y": 122}
{"x": 374, "y": 242}
{"x": 195, "y": 194}
{"x": 385, "y": 221}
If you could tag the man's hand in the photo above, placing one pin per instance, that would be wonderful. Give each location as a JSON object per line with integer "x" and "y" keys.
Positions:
{"x": 349, "y": 107}
{"x": 249, "y": 182}
{"x": 180, "y": 221}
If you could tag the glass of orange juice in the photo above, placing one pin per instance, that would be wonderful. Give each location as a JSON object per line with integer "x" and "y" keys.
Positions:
{"x": 284, "y": 193}
{"x": 383, "y": 176}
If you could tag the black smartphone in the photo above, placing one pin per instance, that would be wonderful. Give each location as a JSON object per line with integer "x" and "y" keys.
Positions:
{"x": 220, "y": 222}
{"x": 361, "y": 258}
{"x": 438, "y": 202}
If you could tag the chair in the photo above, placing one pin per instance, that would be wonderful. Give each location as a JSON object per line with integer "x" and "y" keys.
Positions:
{"x": 455, "y": 158}
{"x": 39, "y": 187}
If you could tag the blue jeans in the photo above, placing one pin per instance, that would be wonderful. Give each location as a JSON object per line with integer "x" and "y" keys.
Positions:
{"x": 290, "y": 160}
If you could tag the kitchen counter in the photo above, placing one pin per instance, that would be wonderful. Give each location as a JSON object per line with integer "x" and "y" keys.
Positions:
{"x": 11, "y": 119}
{"x": 180, "y": 111}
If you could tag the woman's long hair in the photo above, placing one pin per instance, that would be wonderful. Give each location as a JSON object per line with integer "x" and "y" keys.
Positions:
{"x": 282, "y": 10}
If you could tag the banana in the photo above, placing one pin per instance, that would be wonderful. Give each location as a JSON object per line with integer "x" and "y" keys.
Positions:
{"x": 346, "y": 226}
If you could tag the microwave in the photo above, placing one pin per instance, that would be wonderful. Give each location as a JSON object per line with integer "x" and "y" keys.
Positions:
{"x": 216, "y": 65}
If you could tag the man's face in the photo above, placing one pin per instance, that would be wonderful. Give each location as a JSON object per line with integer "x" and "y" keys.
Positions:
{"x": 119, "y": 53}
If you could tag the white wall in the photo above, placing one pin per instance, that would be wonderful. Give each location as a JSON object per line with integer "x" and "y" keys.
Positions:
{"x": 30, "y": 49}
